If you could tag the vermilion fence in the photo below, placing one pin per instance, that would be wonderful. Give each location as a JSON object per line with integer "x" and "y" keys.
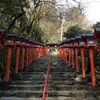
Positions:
{"x": 70, "y": 49}
{"x": 17, "y": 51}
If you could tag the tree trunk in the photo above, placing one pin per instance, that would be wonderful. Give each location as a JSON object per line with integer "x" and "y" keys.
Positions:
{"x": 14, "y": 20}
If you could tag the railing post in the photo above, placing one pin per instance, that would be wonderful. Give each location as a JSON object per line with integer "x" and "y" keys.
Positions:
{"x": 47, "y": 50}
{"x": 17, "y": 60}
{"x": 69, "y": 57}
{"x": 23, "y": 50}
{"x": 83, "y": 63}
{"x": 59, "y": 52}
{"x": 76, "y": 53}
{"x": 65, "y": 55}
{"x": 37, "y": 52}
{"x": 8, "y": 63}
{"x": 72, "y": 57}
{"x": 92, "y": 67}
{"x": 31, "y": 55}
{"x": 27, "y": 57}
{"x": 66, "y": 58}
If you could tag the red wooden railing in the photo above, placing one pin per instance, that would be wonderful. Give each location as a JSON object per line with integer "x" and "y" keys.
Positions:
{"x": 81, "y": 44}
{"x": 27, "y": 48}
{"x": 44, "y": 94}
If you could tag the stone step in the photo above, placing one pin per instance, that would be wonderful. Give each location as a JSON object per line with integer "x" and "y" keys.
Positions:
{"x": 62, "y": 98}
{"x": 28, "y": 82}
{"x": 42, "y": 78}
{"x": 44, "y": 67}
{"x": 60, "y": 70}
{"x": 71, "y": 98}
{"x": 62, "y": 83}
{"x": 61, "y": 79}
{"x": 32, "y": 73}
{"x": 64, "y": 72}
{"x": 37, "y": 71}
{"x": 52, "y": 73}
{"x": 74, "y": 93}
{"x": 16, "y": 98}
{"x": 20, "y": 93}
{"x": 54, "y": 87}
{"x": 32, "y": 77}
{"x": 68, "y": 87}
{"x": 40, "y": 85}
{"x": 51, "y": 98}
{"x": 25, "y": 87}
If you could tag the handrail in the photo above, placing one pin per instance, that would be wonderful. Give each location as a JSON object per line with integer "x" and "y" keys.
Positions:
{"x": 12, "y": 41}
{"x": 80, "y": 45}
{"x": 46, "y": 81}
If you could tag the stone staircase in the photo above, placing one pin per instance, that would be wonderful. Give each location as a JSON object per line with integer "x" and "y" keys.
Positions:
{"x": 30, "y": 84}
{"x": 62, "y": 84}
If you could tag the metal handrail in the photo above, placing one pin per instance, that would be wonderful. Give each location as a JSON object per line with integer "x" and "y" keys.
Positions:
{"x": 46, "y": 81}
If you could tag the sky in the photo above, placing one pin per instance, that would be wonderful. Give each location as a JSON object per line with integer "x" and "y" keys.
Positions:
{"x": 92, "y": 9}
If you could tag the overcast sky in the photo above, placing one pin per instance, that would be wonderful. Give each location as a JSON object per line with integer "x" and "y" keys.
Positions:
{"x": 92, "y": 8}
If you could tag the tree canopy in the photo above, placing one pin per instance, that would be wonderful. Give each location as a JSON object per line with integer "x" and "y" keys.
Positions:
{"x": 73, "y": 31}
{"x": 23, "y": 16}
